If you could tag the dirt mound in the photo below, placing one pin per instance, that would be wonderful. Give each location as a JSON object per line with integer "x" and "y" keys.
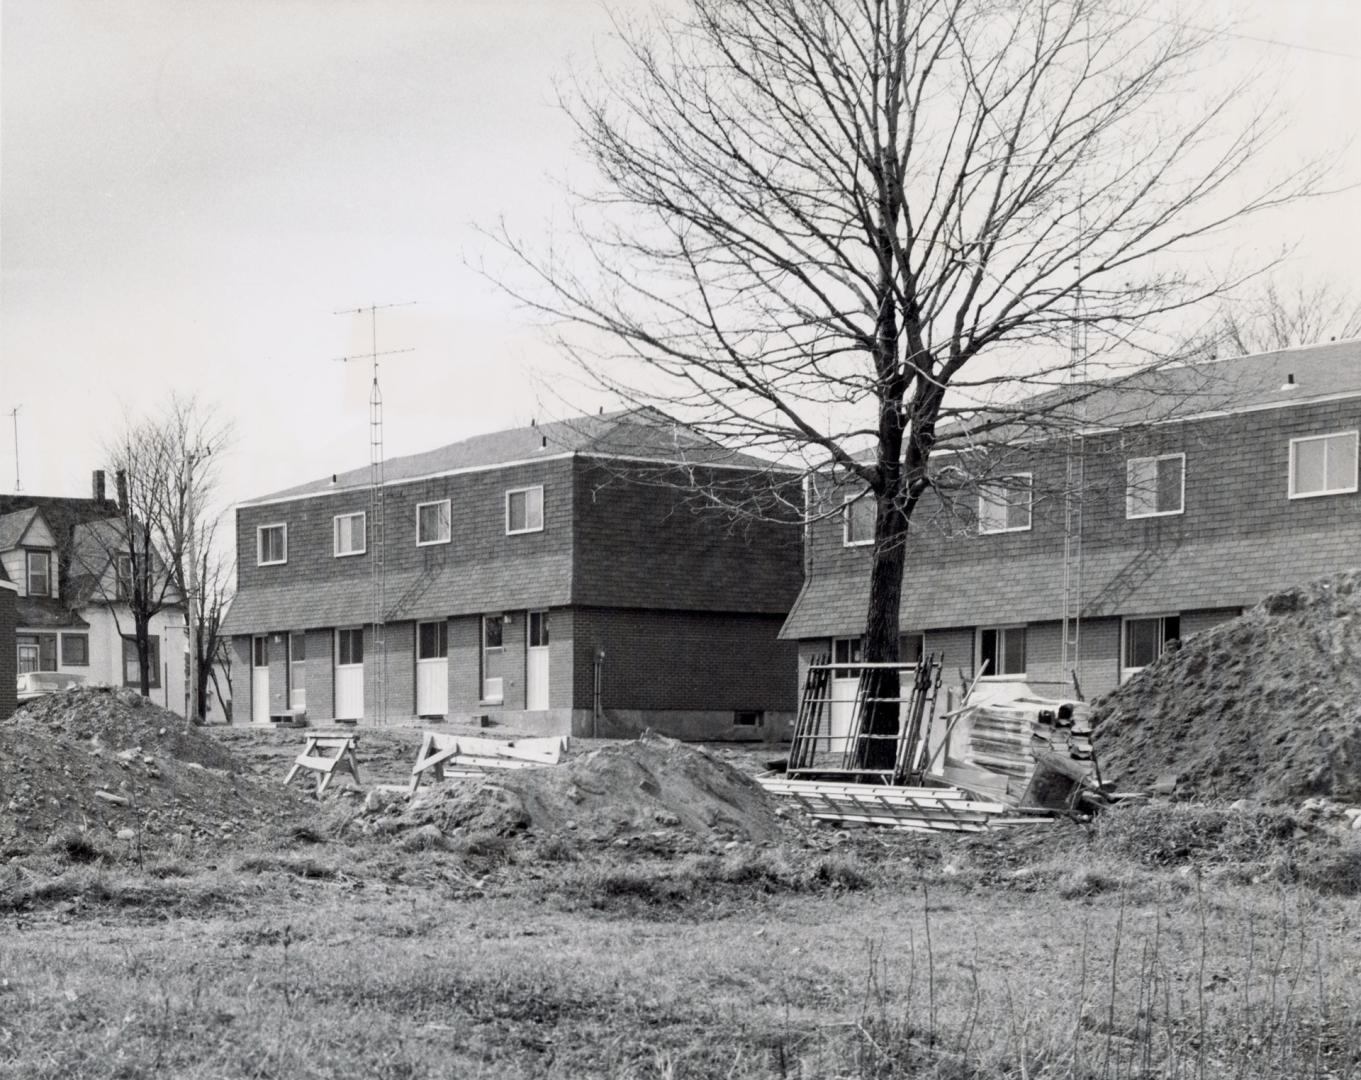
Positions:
{"x": 647, "y": 785}
{"x": 1266, "y": 706}
{"x": 111, "y": 765}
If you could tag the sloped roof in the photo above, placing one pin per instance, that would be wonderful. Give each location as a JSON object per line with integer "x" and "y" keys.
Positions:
{"x": 1215, "y": 573}
{"x": 13, "y": 526}
{"x": 638, "y": 433}
{"x": 41, "y": 613}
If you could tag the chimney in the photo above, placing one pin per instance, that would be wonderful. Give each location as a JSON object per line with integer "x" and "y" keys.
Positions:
{"x": 120, "y": 479}
{"x": 97, "y": 492}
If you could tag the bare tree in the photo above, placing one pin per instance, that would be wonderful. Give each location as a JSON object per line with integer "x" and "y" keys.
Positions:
{"x": 1280, "y": 317}
{"x": 836, "y": 230}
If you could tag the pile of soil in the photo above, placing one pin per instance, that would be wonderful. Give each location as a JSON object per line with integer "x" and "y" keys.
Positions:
{"x": 647, "y": 786}
{"x": 162, "y": 780}
{"x": 1266, "y": 706}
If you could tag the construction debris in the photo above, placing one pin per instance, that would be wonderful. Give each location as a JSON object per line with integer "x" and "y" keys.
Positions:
{"x": 470, "y": 756}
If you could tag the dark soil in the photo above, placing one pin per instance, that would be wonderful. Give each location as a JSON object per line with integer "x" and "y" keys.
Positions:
{"x": 1266, "y": 706}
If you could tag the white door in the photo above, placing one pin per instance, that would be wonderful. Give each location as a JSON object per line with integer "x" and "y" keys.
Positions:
{"x": 845, "y": 683}
{"x": 432, "y": 668}
{"x": 297, "y": 672}
{"x": 259, "y": 680}
{"x": 350, "y": 674}
{"x": 536, "y": 663}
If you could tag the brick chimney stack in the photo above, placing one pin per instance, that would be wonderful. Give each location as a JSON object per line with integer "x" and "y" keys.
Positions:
{"x": 120, "y": 479}
{"x": 98, "y": 493}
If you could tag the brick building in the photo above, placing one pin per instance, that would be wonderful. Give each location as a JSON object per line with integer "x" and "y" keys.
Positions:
{"x": 1244, "y": 481}
{"x": 9, "y": 616}
{"x": 556, "y": 576}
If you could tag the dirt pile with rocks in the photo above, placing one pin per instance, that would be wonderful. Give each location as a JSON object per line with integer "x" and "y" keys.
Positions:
{"x": 1266, "y": 706}
{"x": 649, "y": 786}
{"x": 110, "y": 763}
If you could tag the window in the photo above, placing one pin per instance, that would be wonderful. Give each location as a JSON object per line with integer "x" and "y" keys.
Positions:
{"x": 75, "y": 650}
{"x": 1155, "y": 486}
{"x": 123, "y": 572}
{"x": 271, "y": 545}
{"x": 432, "y": 640}
{"x": 1146, "y": 639}
{"x": 524, "y": 510}
{"x": 350, "y": 646}
{"x": 1323, "y": 465}
{"x": 846, "y": 650}
{"x": 37, "y": 652}
{"x": 538, "y": 629}
{"x": 432, "y": 523}
{"x": 349, "y": 533}
{"x": 1004, "y": 505}
{"x": 1003, "y": 649}
{"x": 492, "y": 684}
{"x": 857, "y": 521}
{"x": 132, "y": 675}
{"x": 259, "y": 656}
{"x": 749, "y": 718}
{"x": 39, "y": 574}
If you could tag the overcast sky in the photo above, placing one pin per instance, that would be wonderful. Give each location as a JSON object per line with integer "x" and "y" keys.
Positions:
{"x": 189, "y": 190}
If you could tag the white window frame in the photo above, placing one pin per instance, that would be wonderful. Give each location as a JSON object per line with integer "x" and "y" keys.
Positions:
{"x": 260, "y": 548}
{"x": 362, "y": 647}
{"x": 1125, "y": 670}
{"x": 528, "y": 528}
{"x": 449, "y": 522}
{"x": 47, "y": 575}
{"x": 846, "y": 505}
{"x": 1004, "y": 628}
{"x": 1181, "y": 497}
{"x": 500, "y": 680}
{"x": 441, "y": 638}
{"x": 1290, "y": 476}
{"x": 1030, "y": 508}
{"x": 335, "y": 533}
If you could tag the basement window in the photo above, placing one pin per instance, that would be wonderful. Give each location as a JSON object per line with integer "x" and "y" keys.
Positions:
{"x": 857, "y": 520}
{"x": 349, "y": 533}
{"x": 1146, "y": 639}
{"x": 1004, "y": 504}
{"x": 1003, "y": 648}
{"x": 1155, "y": 486}
{"x": 1323, "y": 465}
{"x": 749, "y": 718}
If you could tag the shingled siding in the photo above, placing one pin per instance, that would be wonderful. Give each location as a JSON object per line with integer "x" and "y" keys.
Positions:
{"x": 9, "y": 655}
{"x": 642, "y": 543}
{"x": 1239, "y": 535}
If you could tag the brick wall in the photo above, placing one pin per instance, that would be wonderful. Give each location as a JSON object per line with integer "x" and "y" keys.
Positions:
{"x": 242, "y": 702}
{"x": 668, "y": 660}
{"x": 9, "y": 656}
{"x": 320, "y": 676}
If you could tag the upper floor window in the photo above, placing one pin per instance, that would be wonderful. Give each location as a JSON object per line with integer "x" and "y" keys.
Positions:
{"x": 123, "y": 573}
{"x": 1004, "y": 504}
{"x": 1155, "y": 486}
{"x": 1002, "y": 648}
{"x": 271, "y": 545}
{"x": 432, "y": 523}
{"x": 39, "y": 573}
{"x": 349, "y": 533}
{"x": 524, "y": 510}
{"x": 1323, "y": 465}
{"x": 857, "y": 520}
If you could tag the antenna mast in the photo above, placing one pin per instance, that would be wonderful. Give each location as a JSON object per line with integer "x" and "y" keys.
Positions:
{"x": 1075, "y": 480}
{"x": 14, "y": 415}
{"x": 376, "y": 538}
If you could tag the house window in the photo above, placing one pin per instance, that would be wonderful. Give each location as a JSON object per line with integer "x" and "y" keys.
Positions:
{"x": 132, "y": 675}
{"x": 857, "y": 521}
{"x": 123, "y": 572}
{"x": 1155, "y": 486}
{"x": 432, "y": 640}
{"x": 259, "y": 651}
{"x": 1004, "y": 505}
{"x": 524, "y": 510}
{"x": 492, "y": 684}
{"x": 1003, "y": 649}
{"x": 271, "y": 545}
{"x": 1146, "y": 639}
{"x": 37, "y": 652}
{"x": 432, "y": 523}
{"x": 846, "y": 650}
{"x": 911, "y": 648}
{"x": 349, "y": 533}
{"x": 39, "y": 574}
{"x": 538, "y": 629}
{"x": 75, "y": 650}
{"x": 297, "y": 670}
{"x": 749, "y": 718}
{"x": 350, "y": 646}
{"x": 1323, "y": 465}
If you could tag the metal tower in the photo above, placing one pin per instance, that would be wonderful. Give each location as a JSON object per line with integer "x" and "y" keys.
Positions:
{"x": 1073, "y": 496}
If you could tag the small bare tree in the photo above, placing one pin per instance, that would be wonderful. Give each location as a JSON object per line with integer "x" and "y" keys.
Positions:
{"x": 836, "y": 229}
{"x": 1280, "y": 317}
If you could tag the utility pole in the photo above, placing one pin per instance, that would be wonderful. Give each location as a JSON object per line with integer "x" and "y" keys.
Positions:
{"x": 377, "y": 555}
{"x": 14, "y": 415}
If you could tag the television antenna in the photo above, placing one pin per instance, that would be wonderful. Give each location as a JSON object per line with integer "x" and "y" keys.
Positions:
{"x": 14, "y": 415}
{"x": 377, "y": 558}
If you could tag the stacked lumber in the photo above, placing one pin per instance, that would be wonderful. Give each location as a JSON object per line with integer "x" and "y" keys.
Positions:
{"x": 445, "y": 755}
{"x": 921, "y": 809}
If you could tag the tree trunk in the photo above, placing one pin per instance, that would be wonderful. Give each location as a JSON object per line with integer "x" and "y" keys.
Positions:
{"x": 882, "y": 633}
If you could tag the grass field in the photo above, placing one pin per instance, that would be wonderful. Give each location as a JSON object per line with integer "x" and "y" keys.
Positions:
{"x": 1184, "y": 943}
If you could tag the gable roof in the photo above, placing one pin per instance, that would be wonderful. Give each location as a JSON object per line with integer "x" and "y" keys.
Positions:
{"x": 13, "y": 526}
{"x": 632, "y": 433}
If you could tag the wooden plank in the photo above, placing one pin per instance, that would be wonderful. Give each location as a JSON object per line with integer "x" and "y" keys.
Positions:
{"x": 322, "y": 764}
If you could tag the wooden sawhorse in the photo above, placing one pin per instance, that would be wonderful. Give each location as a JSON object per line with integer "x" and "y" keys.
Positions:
{"x": 325, "y": 755}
